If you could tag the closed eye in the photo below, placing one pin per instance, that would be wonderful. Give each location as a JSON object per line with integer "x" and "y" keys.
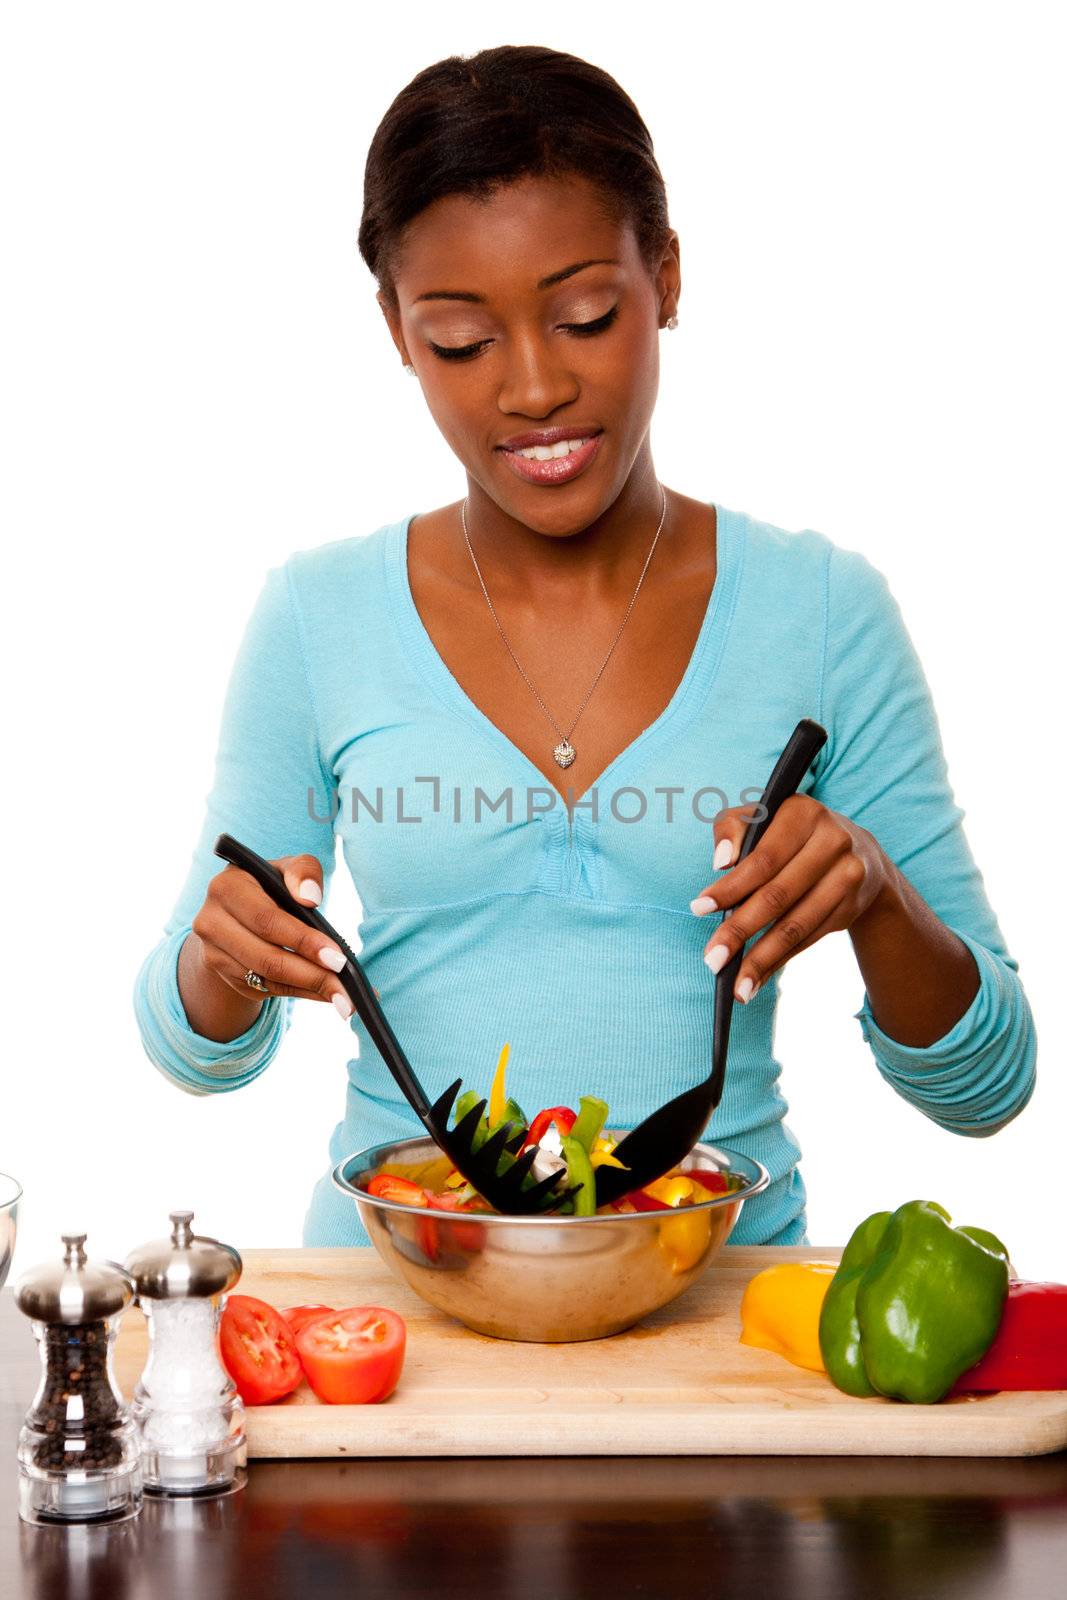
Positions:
{"x": 463, "y": 352}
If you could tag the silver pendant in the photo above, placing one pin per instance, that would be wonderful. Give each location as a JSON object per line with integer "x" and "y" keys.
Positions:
{"x": 564, "y": 753}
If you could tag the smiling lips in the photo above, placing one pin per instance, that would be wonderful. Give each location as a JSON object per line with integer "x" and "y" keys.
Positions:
{"x": 550, "y": 455}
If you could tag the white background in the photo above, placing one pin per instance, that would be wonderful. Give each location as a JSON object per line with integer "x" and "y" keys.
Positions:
{"x": 197, "y": 380}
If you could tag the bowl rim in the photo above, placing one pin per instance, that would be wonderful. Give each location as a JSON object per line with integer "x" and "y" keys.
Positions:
{"x": 12, "y": 1200}
{"x": 495, "y": 1218}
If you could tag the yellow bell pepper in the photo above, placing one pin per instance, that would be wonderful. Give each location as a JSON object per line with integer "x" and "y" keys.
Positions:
{"x": 672, "y": 1191}
{"x": 780, "y": 1311}
{"x": 602, "y": 1155}
{"x": 684, "y": 1237}
{"x": 498, "y": 1095}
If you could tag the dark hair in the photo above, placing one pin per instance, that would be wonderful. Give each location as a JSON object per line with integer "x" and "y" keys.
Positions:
{"x": 469, "y": 124}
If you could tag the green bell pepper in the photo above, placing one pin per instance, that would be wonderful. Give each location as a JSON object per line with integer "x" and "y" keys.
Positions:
{"x": 589, "y": 1123}
{"x": 913, "y": 1304}
{"x": 466, "y": 1102}
{"x": 513, "y": 1113}
{"x": 580, "y": 1170}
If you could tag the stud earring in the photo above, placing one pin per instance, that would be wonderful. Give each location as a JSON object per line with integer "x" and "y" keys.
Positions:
{"x": 672, "y": 321}
{"x": 409, "y": 369}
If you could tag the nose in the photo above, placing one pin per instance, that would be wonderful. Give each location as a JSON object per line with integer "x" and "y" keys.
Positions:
{"x": 537, "y": 379}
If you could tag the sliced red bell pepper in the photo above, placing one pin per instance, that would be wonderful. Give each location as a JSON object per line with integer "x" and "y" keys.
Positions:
{"x": 1029, "y": 1349}
{"x": 562, "y": 1116}
{"x": 645, "y": 1202}
{"x": 710, "y": 1180}
{"x": 399, "y": 1190}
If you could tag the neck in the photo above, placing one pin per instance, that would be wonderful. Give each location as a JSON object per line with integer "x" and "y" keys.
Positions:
{"x": 588, "y": 562}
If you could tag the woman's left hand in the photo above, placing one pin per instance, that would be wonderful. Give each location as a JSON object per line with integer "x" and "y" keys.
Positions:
{"x": 813, "y": 872}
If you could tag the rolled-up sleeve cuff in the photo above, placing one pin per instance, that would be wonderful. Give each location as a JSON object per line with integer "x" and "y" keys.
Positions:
{"x": 197, "y": 1064}
{"x": 981, "y": 1073}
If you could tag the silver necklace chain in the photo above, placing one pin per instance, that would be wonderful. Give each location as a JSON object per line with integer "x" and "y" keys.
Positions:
{"x": 564, "y": 753}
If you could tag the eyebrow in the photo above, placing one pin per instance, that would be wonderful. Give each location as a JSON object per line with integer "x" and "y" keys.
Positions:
{"x": 545, "y": 283}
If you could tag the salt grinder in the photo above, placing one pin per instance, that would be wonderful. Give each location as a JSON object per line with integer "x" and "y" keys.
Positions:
{"x": 188, "y": 1411}
{"x": 78, "y": 1450}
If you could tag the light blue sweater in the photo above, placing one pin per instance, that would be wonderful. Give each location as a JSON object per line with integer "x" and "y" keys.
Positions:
{"x": 486, "y": 917}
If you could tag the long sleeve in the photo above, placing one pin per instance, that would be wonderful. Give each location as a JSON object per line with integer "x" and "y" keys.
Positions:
{"x": 270, "y": 790}
{"x": 883, "y": 766}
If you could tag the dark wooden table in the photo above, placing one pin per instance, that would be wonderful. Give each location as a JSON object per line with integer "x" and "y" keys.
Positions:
{"x": 770, "y": 1527}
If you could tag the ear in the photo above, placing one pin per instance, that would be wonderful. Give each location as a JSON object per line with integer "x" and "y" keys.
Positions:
{"x": 669, "y": 276}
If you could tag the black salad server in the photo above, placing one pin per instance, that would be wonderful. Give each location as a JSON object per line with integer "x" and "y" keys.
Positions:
{"x": 506, "y": 1191}
{"x": 669, "y": 1134}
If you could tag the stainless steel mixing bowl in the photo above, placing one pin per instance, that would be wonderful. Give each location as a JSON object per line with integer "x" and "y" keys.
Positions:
{"x": 546, "y": 1280}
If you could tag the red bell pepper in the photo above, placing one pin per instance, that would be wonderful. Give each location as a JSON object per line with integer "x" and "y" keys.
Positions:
{"x": 714, "y": 1181}
{"x": 645, "y": 1202}
{"x": 1029, "y": 1349}
{"x": 562, "y": 1116}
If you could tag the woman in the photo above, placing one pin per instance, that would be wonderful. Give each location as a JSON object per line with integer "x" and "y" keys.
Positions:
{"x": 535, "y": 716}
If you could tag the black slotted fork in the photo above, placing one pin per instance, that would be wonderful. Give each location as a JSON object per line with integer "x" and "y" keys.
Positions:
{"x": 669, "y": 1134}
{"x": 503, "y": 1190}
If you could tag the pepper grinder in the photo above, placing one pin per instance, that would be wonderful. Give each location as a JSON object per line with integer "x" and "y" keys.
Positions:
{"x": 188, "y": 1411}
{"x": 78, "y": 1451}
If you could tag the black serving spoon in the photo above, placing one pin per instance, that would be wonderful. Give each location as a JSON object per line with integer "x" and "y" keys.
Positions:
{"x": 669, "y": 1134}
{"x": 503, "y": 1190}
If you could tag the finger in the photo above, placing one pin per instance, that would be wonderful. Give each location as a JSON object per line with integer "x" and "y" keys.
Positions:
{"x": 796, "y": 821}
{"x": 242, "y": 897}
{"x": 730, "y": 827}
{"x": 303, "y": 878}
{"x": 749, "y": 983}
{"x": 236, "y": 976}
{"x": 771, "y": 901}
{"x": 284, "y": 969}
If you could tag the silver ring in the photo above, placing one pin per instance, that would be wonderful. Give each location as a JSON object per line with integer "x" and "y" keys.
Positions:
{"x": 254, "y": 981}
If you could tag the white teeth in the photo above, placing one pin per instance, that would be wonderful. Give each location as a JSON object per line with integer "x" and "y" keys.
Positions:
{"x": 545, "y": 452}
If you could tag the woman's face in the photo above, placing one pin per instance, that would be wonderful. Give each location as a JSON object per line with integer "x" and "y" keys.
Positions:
{"x": 499, "y": 349}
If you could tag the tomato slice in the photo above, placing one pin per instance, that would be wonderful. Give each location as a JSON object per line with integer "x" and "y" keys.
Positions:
{"x": 400, "y": 1190}
{"x": 298, "y": 1316}
{"x": 353, "y": 1357}
{"x": 258, "y": 1350}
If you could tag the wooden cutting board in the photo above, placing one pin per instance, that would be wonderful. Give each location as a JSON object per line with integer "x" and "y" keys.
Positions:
{"x": 678, "y": 1384}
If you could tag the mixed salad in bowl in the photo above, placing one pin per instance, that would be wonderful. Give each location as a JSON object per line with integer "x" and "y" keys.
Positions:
{"x": 568, "y": 1141}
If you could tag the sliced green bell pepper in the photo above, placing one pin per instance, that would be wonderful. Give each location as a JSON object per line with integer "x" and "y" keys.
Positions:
{"x": 589, "y": 1123}
{"x": 580, "y": 1170}
{"x": 467, "y": 1101}
{"x": 914, "y": 1303}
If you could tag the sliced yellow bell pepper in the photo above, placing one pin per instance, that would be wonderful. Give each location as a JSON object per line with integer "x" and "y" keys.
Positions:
{"x": 684, "y": 1238}
{"x": 498, "y": 1098}
{"x": 672, "y": 1191}
{"x": 780, "y": 1311}
{"x": 602, "y": 1156}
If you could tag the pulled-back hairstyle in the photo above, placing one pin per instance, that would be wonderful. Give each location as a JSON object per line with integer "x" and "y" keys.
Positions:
{"x": 469, "y": 124}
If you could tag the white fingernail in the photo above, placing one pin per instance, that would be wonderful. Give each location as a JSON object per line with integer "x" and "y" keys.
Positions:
{"x": 717, "y": 957}
{"x": 309, "y": 890}
{"x": 724, "y": 854}
{"x": 743, "y": 992}
{"x": 343, "y": 1004}
{"x": 332, "y": 958}
{"x": 702, "y": 905}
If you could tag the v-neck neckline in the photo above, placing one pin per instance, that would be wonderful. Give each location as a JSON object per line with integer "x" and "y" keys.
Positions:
{"x": 689, "y": 694}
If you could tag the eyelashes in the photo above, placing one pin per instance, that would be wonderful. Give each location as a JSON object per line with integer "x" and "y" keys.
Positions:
{"x": 583, "y": 330}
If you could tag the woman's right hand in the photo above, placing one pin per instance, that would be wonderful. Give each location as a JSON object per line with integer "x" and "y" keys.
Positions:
{"x": 239, "y": 929}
